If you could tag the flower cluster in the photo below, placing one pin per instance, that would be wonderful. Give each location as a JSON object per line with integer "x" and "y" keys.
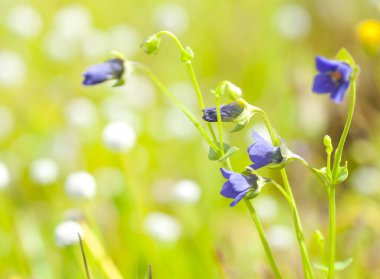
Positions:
{"x": 333, "y": 77}
{"x": 247, "y": 184}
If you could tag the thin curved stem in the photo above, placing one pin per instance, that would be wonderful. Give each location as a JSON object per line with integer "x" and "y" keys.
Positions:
{"x": 283, "y": 192}
{"x": 97, "y": 250}
{"x": 263, "y": 239}
{"x": 339, "y": 149}
{"x": 190, "y": 69}
{"x": 179, "y": 105}
{"x": 308, "y": 270}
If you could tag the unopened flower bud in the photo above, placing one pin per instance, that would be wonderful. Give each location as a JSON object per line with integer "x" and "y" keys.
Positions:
{"x": 328, "y": 144}
{"x": 152, "y": 44}
{"x": 228, "y": 112}
{"x": 110, "y": 69}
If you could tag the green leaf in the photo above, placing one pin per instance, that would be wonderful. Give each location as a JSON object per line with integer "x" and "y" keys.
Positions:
{"x": 342, "y": 174}
{"x": 341, "y": 265}
{"x": 320, "y": 239}
{"x": 119, "y": 82}
{"x": 323, "y": 175}
{"x": 321, "y": 266}
{"x": 228, "y": 153}
{"x": 237, "y": 128}
{"x": 229, "y": 150}
{"x": 345, "y": 56}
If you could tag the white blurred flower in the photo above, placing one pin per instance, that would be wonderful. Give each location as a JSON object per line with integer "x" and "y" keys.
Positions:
{"x": 307, "y": 112}
{"x": 162, "y": 227}
{"x": 185, "y": 93}
{"x": 281, "y": 237}
{"x": 187, "y": 191}
{"x": 44, "y": 171}
{"x": 178, "y": 125}
{"x": 80, "y": 185}
{"x": 266, "y": 207}
{"x": 125, "y": 39}
{"x": 71, "y": 25}
{"x": 5, "y": 177}
{"x": 81, "y": 112}
{"x": 12, "y": 68}
{"x": 172, "y": 17}
{"x": 7, "y": 121}
{"x": 25, "y": 21}
{"x": 115, "y": 108}
{"x": 293, "y": 21}
{"x": 139, "y": 92}
{"x": 95, "y": 43}
{"x": 67, "y": 232}
{"x": 119, "y": 136}
{"x": 73, "y": 21}
{"x": 365, "y": 180}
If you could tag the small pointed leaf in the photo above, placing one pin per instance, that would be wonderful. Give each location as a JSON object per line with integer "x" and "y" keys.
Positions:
{"x": 341, "y": 265}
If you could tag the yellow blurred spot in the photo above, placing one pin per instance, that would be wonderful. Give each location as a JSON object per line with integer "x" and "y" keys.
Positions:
{"x": 368, "y": 32}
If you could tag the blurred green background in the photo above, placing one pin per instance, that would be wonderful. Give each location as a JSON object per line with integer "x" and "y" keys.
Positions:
{"x": 158, "y": 203}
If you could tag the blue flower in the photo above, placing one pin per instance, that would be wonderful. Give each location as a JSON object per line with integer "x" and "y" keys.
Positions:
{"x": 228, "y": 112}
{"x": 111, "y": 69}
{"x": 263, "y": 153}
{"x": 334, "y": 77}
{"x": 239, "y": 185}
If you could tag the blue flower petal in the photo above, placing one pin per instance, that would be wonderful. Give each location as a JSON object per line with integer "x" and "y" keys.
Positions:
{"x": 228, "y": 191}
{"x": 334, "y": 78}
{"x": 239, "y": 182}
{"x": 324, "y": 65}
{"x": 323, "y": 84}
{"x": 239, "y": 198}
{"x": 260, "y": 152}
{"x": 226, "y": 173}
{"x": 338, "y": 94}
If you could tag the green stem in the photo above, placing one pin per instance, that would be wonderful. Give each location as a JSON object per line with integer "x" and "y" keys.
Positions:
{"x": 328, "y": 165}
{"x": 339, "y": 149}
{"x": 332, "y": 231}
{"x": 282, "y": 191}
{"x": 179, "y": 105}
{"x": 99, "y": 254}
{"x": 308, "y": 270}
{"x": 189, "y": 67}
{"x": 220, "y": 126}
{"x": 335, "y": 176}
{"x": 263, "y": 239}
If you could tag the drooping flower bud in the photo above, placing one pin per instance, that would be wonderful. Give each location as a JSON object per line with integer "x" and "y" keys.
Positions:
{"x": 108, "y": 70}
{"x": 152, "y": 44}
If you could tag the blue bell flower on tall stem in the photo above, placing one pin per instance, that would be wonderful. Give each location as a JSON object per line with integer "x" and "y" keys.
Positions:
{"x": 333, "y": 77}
{"x": 263, "y": 153}
{"x": 110, "y": 69}
{"x": 240, "y": 185}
